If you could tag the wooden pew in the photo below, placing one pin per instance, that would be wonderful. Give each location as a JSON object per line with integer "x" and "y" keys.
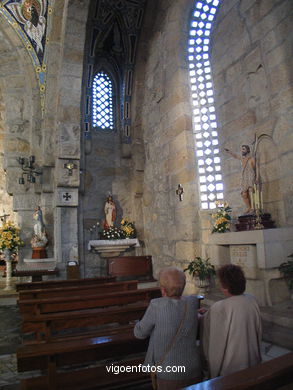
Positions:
{"x": 51, "y": 326}
{"x": 36, "y": 274}
{"x": 38, "y": 307}
{"x": 271, "y": 375}
{"x": 53, "y": 356}
{"x": 78, "y": 290}
{"x": 138, "y": 267}
{"x": 64, "y": 283}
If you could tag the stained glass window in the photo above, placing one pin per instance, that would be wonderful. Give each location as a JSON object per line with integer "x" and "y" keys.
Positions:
{"x": 204, "y": 116}
{"x": 102, "y": 102}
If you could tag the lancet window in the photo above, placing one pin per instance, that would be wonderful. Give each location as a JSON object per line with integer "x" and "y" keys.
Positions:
{"x": 204, "y": 115}
{"x": 102, "y": 102}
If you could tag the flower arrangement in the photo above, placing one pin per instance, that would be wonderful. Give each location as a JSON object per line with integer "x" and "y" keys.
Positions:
{"x": 10, "y": 238}
{"x": 221, "y": 217}
{"x": 128, "y": 228}
{"x": 201, "y": 268}
{"x": 112, "y": 233}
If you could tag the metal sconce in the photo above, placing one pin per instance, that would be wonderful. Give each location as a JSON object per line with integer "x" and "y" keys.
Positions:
{"x": 29, "y": 169}
{"x": 70, "y": 166}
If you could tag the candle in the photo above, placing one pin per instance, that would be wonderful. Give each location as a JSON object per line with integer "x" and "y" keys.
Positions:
{"x": 256, "y": 199}
{"x": 251, "y": 199}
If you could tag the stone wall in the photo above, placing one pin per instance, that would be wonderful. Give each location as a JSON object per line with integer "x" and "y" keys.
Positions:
{"x": 252, "y": 70}
{"x": 21, "y": 133}
{"x": 253, "y": 95}
{"x": 163, "y": 133}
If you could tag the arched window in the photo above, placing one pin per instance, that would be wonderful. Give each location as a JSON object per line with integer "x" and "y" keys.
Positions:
{"x": 102, "y": 102}
{"x": 204, "y": 116}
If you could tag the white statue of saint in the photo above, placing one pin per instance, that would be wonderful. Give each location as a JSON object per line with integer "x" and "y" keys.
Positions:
{"x": 110, "y": 212}
{"x": 40, "y": 237}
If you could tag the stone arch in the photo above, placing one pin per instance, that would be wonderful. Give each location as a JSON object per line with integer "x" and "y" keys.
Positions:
{"x": 20, "y": 122}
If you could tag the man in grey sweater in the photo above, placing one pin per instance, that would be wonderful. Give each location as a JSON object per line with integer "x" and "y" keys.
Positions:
{"x": 171, "y": 322}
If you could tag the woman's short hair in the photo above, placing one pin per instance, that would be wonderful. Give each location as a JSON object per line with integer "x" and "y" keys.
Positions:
{"x": 173, "y": 280}
{"x": 232, "y": 278}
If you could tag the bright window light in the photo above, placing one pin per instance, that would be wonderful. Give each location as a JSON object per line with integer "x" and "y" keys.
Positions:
{"x": 204, "y": 115}
{"x": 102, "y": 102}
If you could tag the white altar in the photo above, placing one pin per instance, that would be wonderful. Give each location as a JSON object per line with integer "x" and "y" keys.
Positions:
{"x": 259, "y": 253}
{"x": 112, "y": 248}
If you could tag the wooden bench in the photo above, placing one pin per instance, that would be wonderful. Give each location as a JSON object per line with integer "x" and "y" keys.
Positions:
{"x": 36, "y": 307}
{"x": 271, "y": 375}
{"x": 130, "y": 267}
{"x": 51, "y": 326}
{"x": 36, "y": 274}
{"x": 64, "y": 283}
{"x": 78, "y": 290}
{"x": 54, "y": 356}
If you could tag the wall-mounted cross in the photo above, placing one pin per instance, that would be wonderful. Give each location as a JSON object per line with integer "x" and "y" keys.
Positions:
{"x": 180, "y": 192}
{"x": 66, "y": 196}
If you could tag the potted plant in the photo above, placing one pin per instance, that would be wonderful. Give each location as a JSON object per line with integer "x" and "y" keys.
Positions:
{"x": 201, "y": 270}
{"x": 287, "y": 269}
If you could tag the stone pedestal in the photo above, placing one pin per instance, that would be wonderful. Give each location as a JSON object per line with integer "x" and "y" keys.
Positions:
{"x": 8, "y": 273}
{"x": 39, "y": 253}
{"x": 8, "y": 262}
{"x": 112, "y": 248}
{"x": 251, "y": 222}
{"x": 259, "y": 253}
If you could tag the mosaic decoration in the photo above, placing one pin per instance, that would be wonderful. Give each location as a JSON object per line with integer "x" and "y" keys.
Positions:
{"x": 30, "y": 19}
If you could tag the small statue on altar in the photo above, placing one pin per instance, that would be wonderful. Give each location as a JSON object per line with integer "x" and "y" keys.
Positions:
{"x": 39, "y": 239}
{"x": 248, "y": 176}
{"x": 110, "y": 212}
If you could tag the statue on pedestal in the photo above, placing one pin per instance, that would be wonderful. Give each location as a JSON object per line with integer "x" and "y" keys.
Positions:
{"x": 248, "y": 176}
{"x": 254, "y": 216}
{"x": 39, "y": 240}
{"x": 110, "y": 212}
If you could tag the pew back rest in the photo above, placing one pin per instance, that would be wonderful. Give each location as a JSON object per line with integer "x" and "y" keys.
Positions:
{"x": 78, "y": 290}
{"x": 81, "y": 350}
{"x": 62, "y": 283}
{"x": 48, "y": 327}
{"x": 270, "y": 375}
{"x": 32, "y": 307}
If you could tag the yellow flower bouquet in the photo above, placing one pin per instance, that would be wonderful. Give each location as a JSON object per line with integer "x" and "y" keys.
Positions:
{"x": 128, "y": 228}
{"x": 10, "y": 238}
{"x": 221, "y": 217}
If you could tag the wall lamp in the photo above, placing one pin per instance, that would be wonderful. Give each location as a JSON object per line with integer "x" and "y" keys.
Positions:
{"x": 70, "y": 166}
{"x": 29, "y": 169}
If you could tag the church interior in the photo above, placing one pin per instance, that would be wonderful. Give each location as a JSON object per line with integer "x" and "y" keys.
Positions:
{"x": 142, "y": 134}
